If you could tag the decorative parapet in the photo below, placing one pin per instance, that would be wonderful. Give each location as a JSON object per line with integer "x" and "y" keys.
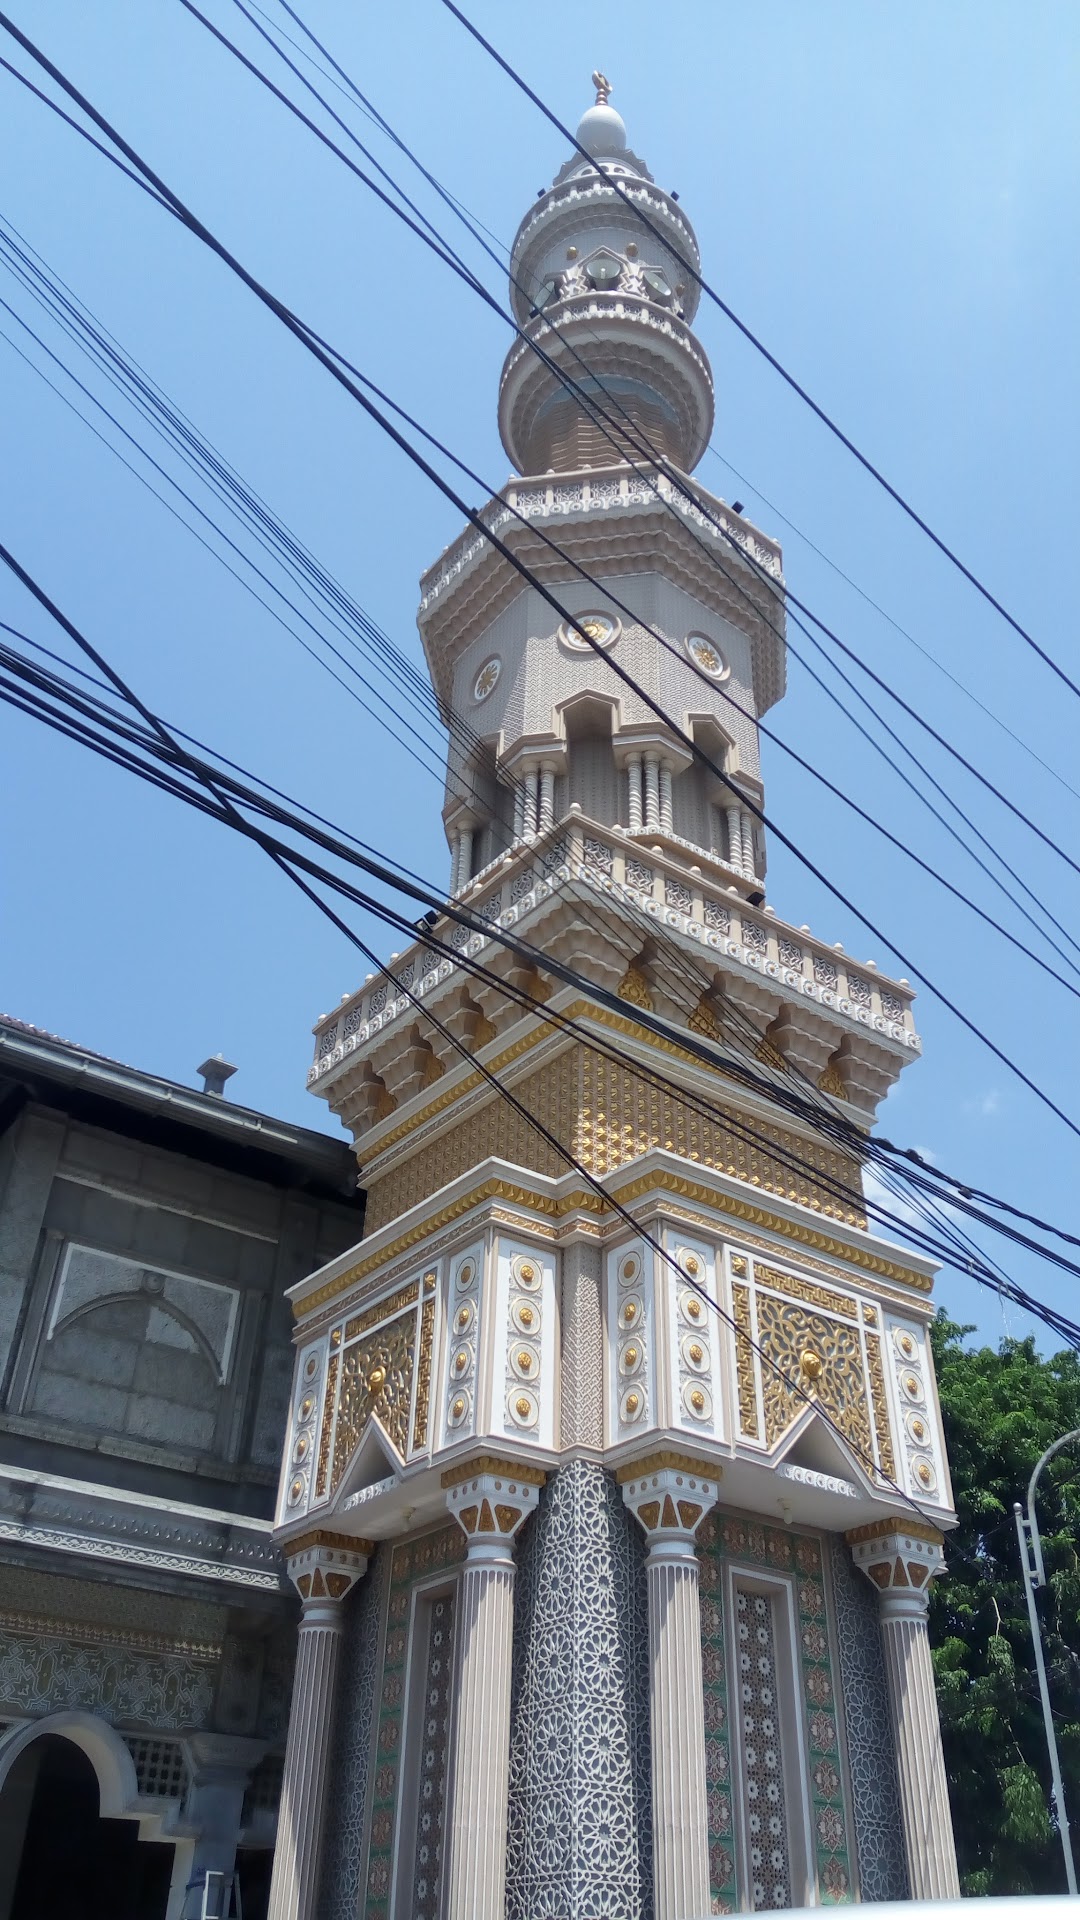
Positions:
{"x": 865, "y": 1024}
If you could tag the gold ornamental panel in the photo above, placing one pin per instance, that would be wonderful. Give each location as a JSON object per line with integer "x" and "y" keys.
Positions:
{"x": 791, "y": 1336}
{"x": 744, "y": 1363}
{"x": 607, "y": 1114}
{"x": 376, "y": 1380}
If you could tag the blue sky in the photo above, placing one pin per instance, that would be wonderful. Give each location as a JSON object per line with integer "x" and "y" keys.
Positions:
{"x": 887, "y": 196}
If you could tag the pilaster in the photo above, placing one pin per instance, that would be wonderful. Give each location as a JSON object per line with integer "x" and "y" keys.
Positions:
{"x": 670, "y": 1495}
{"x": 324, "y": 1568}
{"x": 901, "y": 1560}
{"x": 490, "y": 1501}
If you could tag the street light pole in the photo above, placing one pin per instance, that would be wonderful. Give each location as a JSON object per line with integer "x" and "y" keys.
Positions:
{"x": 1031, "y": 1562}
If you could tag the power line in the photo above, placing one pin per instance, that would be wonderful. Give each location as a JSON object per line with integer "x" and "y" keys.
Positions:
{"x": 229, "y": 813}
{"x": 483, "y": 235}
{"x": 335, "y": 363}
{"x": 856, "y": 1144}
{"x": 777, "y": 365}
{"x": 603, "y": 417}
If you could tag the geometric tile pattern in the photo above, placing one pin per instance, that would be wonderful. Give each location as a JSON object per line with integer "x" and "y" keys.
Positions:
{"x": 762, "y": 1765}
{"x": 875, "y": 1794}
{"x": 413, "y": 1560}
{"x": 434, "y": 1753}
{"x": 48, "y": 1672}
{"x": 798, "y": 1558}
{"x": 579, "y": 1843}
{"x": 350, "y": 1763}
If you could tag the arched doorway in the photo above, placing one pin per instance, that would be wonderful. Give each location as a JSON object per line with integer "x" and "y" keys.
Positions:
{"x": 62, "y": 1857}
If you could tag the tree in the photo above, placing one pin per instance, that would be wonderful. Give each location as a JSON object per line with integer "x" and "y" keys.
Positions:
{"x": 1001, "y": 1409}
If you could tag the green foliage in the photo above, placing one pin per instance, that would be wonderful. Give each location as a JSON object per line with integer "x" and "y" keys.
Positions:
{"x": 1001, "y": 1410}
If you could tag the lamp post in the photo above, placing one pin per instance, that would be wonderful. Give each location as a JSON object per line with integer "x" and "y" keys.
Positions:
{"x": 1031, "y": 1561}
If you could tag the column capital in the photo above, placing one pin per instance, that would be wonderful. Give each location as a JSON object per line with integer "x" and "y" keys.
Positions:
{"x": 900, "y": 1558}
{"x": 490, "y": 1499}
{"x": 325, "y": 1567}
{"x": 669, "y": 1495}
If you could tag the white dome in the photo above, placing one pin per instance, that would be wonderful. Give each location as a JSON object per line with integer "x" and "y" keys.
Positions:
{"x": 601, "y": 131}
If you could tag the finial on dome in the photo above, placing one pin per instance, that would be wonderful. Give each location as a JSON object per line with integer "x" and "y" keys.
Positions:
{"x": 601, "y": 132}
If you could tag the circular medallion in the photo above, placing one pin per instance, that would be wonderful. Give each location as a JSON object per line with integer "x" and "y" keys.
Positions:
{"x": 631, "y": 1406}
{"x": 706, "y": 656}
{"x": 589, "y": 630}
{"x": 487, "y": 678}
{"x": 524, "y": 1408}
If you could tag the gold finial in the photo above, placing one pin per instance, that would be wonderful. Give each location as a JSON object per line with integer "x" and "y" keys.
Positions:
{"x": 603, "y": 89}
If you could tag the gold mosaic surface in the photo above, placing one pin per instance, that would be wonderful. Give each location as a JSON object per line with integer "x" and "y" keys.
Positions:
{"x": 607, "y": 1114}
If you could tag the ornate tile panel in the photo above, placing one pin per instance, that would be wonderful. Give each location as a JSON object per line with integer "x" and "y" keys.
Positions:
{"x": 580, "y": 1813}
{"x": 871, "y": 1751}
{"x": 798, "y": 1558}
{"x": 412, "y": 1561}
{"x": 351, "y": 1763}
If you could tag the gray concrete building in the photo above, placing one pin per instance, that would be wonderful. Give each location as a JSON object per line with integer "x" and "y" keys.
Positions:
{"x": 148, "y": 1232}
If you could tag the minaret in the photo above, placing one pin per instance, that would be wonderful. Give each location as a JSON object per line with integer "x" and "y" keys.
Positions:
{"x": 616, "y": 1442}
{"x": 540, "y": 727}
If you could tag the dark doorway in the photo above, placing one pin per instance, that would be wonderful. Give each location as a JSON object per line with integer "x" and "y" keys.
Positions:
{"x": 73, "y": 1864}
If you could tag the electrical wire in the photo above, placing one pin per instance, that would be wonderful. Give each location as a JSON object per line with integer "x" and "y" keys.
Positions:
{"x": 848, "y": 1196}
{"x": 776, "y": 364}
{"x": 603, "y": 418}
{"x": 335, "y": 364}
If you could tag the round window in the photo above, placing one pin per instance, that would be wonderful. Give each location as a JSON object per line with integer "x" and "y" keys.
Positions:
{"x": 487, "y": 678}
{"x": 706, "y": 656}
{"x": 589, "y": 630}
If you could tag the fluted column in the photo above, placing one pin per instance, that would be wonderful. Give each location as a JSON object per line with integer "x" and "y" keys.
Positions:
{"x": 463, "y": 859}
{"x": 324, "y": 1568}
{"x": 521, "y": 797}
{"x": 633, "y": 793}
{"x": 547, "y": 796}
{"x": 733, "y": 815}
{"x": 901, "y": 1561}
{"x": 651, "y": 799}
{"x": 670, "y": 1495}
{"x": 489, "y": 1501}
{"x": 749, "y": 858}
{"x": 666, "y": 820}
{"x": 532, "y": 800}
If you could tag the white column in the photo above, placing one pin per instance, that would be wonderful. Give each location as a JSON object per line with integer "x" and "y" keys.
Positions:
{"x": 324, "y": 1570}
{"x": 652, "y": 792}
{"x": 633, "y": 790}
{"x": 489, "y": 1501}
{"x": 733, "y": 815}
{"x": 666, "y": 825}
{"x": 521, "y": 797}
{"x": 532, "y": 803}
{"x": 901, "y": 1561}
{"x": 670, "y": 1496}
{"x": 546, "y": 813}
{"x": 463, "y": 863}
{"x": 749, "y": 859}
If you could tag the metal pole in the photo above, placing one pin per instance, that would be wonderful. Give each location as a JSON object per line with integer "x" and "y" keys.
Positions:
{"x": 1031, "y": 1563}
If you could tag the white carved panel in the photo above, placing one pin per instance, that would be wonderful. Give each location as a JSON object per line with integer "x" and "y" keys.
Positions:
{"x": 630, "y": 1331}
{"x": 523, "y": 1345}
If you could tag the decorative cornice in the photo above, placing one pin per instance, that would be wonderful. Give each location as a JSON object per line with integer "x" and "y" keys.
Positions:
{"x": 104, "y": 1635}
{"x": 673, "y": 1462}
{"x": 761, "y": 1217}
{"x": 662, "y": 1180}
{"x": 456, "y": 1475}
{"x": 896, "y": 1524}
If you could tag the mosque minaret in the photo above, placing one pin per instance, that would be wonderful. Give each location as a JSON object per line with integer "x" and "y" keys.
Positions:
{"x": 612, "y": 1503}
